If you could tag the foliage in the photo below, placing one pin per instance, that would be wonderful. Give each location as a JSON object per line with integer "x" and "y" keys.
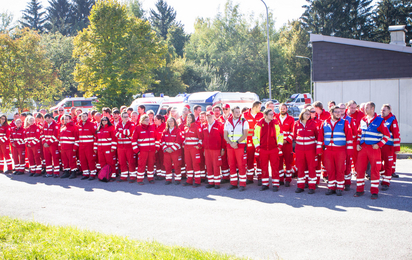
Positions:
{"x": 26, "y": 74}
{"x": 81, "y": 13}
{"x": 60, "y": 17}
{"x": 406, "y": 148}
{"x": 6, "y": 23}
{"x": 33, "y": 17}
{"x": 162, "y": 18}
{"x": 134, "y": 8}
{"x": 117, "y": 55}
{"x": 59, "y": 50}
{"x": 31, "y": 240}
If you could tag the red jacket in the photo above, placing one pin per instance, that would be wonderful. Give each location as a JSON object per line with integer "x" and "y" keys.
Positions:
{"x": 182, "y": 123}
{"x": 357, "y": 116}
{"x": 5, "y": 134}
{"x": 51, "y": 133}
{"x": 124, "y": 134}
{"x": 87, "y": 133}
{"x": 193, "y": 136}
{"x": 32, "y": 136}
{"x": 324, "y": 115}
{"x": 12, "y": 125}
{"x": 305, "y": 136}
{"x": 252, "y": 120}
{"x": 69, "y": 137}
{"x": 286, "y": 127}
{"x": 394, "y": 130}
{"x": 348, "y": 134}
{"x": 159, "y": 132}
{"x": 213, "y": 140}
{"x": 172, "y": 139}
{"x": 17, "y": 137}
{"x": 144, "y": 138}
{"x": 106, "y": 139}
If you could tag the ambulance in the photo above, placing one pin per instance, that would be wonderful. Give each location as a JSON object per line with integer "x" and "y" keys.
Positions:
{"x": 298, "y": 99}
{"x": 158, "y": 104}
{"x": 85, "y": 104}
{"x": 204, "y": 99}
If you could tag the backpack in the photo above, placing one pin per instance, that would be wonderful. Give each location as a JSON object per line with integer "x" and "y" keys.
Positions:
{"x": 105, "y": 173}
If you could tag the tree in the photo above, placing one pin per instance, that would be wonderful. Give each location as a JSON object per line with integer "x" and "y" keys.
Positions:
{"x": 177, "y": 37}
{"x": 33, "y": 17}
{"x": 6, "y": 24}
{"x": 163, "y": 18}
{"x": 117, "y": 54}
{"x": 26, "y": 74}
{"x": 59, "y": 50}
{"x": 60, "y": 16}
{"x": 81, "y": 13}
{"x": 134, "y": 8}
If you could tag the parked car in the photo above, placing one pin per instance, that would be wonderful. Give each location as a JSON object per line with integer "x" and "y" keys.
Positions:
{"x": 86, "y": 104}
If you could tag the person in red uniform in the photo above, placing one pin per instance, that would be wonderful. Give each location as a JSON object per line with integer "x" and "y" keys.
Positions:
{"x": 305, "y": 133}
{"x": 217, "y": 110}
{"x": 182, "y": 122}
{"x": 160, "y": 126}
{"x": 171, "y": 145}
{"x": 196, "y": 111}
{"x": 321, "y": 116}
{"x": 193, "y": 136}
{"x": 353, "y": 111}
{"x": 59, "y": 117}
{"x": 286, "y": 123}
{"x": 336, "y": 136}
{"x": 13, "y": 122}
{"x": 127, "y": 158}
{"x": 141, "y": 110}
{"x": 372, "y": 136}
{"x": 51, "y": 146}
{"x": 5, "y": 145}
{"x": 268, "y": 142}
{"x": 349, "y": 157}
{"x": 144, "y": 143}
{"x": 252, "y": 115}
{"x": 87, "y": 157}
{"x": 69, "y": 144}
{"x": 236, "y": 131}
{"x": 32, "y": 140}
{"x": 19, "y": 151}
{"x": 213, "y": 144}
{"x": 105, "y": 145}
{"x": 391, "y": 147}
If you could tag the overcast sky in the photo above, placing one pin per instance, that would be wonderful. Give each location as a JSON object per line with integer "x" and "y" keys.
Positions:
{"x": 189, "y": 10}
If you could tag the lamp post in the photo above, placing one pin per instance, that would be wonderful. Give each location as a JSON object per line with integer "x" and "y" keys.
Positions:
{"x": 310, "y": 62}
{"x": 267, "y": 27}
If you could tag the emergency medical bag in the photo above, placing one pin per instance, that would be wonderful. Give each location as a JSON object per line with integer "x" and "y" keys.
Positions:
{"x": 105, "y": 173}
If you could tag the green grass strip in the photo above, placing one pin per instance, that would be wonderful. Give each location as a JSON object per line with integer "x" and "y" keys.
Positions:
{"x": 31, "y": 240}
{"x": 406, "y": 148}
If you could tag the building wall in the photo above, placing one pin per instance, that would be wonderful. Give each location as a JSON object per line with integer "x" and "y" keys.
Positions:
{"x": 397, "y": 92}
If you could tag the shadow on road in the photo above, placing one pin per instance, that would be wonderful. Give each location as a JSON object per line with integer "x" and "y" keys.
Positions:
{"x": 398, "y": 197}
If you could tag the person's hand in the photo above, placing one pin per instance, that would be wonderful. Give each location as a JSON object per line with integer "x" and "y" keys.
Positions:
{"x": 222, "y": 152}
{"x": 95, "y": 151}
{"x": 13, "y": 145}
{"x": 358, "y": 147}
{"x": 29, "y": 146}
{"x": 112, "y": 151}
{"x": 46, "y": 145}
{"x": 375, "y": 146}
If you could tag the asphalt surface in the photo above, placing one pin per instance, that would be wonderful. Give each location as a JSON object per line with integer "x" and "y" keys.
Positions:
{"x": 255, "y": 224}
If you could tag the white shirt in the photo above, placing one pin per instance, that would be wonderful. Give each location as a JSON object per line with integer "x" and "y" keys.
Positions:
{"x": 171, "y": 129}
{"x": 282, "y": 118}
{"x": 236, "y": 128}
{"x": 209, "y": 126}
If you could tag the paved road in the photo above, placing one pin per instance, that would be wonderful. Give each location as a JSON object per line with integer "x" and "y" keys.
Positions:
{"x": 255, "y": 224}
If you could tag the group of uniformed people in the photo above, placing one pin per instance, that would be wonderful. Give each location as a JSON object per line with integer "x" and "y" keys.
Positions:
{"x": 219, "y": 145}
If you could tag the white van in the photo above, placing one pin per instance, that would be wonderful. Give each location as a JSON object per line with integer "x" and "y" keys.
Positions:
{"x": 299, "y": 99}
{"x": 85, "y": 104}
{"x": 158, "y": 104}
{"x": 204, "y": 99}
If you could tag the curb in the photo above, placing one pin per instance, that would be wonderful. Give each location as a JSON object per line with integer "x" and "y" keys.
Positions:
{"x": 404, "y": 156}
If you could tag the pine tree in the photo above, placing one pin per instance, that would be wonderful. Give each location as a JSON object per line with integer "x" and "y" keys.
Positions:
{"x": 162, "y": 18}
{"x": 81, "y": 12}
{"x": 33, "y": 16}
{"x": 59, "y": 16}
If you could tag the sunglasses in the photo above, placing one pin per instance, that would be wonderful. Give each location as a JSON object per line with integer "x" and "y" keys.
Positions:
{"x": 104, "y": 120}
{"x": 61, "y": 110}
{"x": 313, "y": 112}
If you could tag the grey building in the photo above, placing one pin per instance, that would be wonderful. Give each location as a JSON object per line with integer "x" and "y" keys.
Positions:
{"x": 345, "y": 69}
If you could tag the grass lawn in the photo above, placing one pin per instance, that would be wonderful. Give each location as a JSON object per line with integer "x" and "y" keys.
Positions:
{"x": 31, "y": 240}
{"x": 406, "y": 148}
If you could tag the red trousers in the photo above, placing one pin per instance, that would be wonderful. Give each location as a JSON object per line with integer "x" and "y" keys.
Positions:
{"x": 18, "y": 158}
{"x": 394, "y": 163}
{"x": 250, "y": 151}
{"x": 306, "y": 160}
{"x": 174, "y": 158}
{"x": 127, "y": 163}
{"x": 238, "y": 157}
{"x": 374, "y": 157}
{"x": 202, "y": 164}
{"x": 335, "y": 164}
{"x": 225, "y": 167}
{"x": 213, "y": 166}
{"x": 33, "y": 154}
{"x": 87, "y": 159}
{"x": 5, "y": 155}
{"x": 52, "y": 158}
{"x": 192, "y": 159}
{"x": 387, "y": 154}
{"x": 146, "y": 159}
{"x": 348, "y": 170}
{"x": 69, "y": 160}
{"x": 160, "y": 166}
{"x": 107, "y": 157}
{"x": 287, "y": 158}
{"x": 271, "y": 156}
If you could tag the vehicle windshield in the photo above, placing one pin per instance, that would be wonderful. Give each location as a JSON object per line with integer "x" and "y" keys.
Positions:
{"x": 203, "y": 105}
{"x": 154, "y": 107}
{"x": 289, "y": 100}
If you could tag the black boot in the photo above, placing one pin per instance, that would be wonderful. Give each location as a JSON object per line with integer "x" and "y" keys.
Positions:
{"x": 73, "y": 175}
{"x": 66, "y": 174}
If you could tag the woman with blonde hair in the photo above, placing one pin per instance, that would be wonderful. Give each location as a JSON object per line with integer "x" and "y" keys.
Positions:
{"x": 172, "y": 149}
{"x": 32, "y": 140}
